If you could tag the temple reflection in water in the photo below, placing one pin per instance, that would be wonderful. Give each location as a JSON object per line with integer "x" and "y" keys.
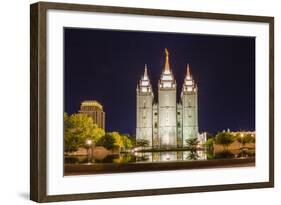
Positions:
{"x": 170, "y": 156}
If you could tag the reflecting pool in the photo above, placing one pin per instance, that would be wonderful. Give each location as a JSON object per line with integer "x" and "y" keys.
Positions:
{"x": 157, "y": 156}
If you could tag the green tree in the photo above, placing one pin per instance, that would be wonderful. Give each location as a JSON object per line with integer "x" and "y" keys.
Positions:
{"x": 132, "y": 139}
{"x": 121, "y": 141}
{"x": 253, "y": 140}
{"x": 96, "y": 133}
{"x": 108, "y": 141}
{"x": 142, "y": 143}
{"x": 191, "y": 143}
{"x": 224, "y": 139}
{"x": 71, "y": 141}
{"x": 192, "y": 156}
{"x": 209, "y": 144}
{"x": 245, "y": 138}
{"x": 118, "y": 139}
{"x": 126, "y": 141}
{"x": 85, "y": 128}
{"x": 209, "y": 136}
{"x": 77, "y": 129}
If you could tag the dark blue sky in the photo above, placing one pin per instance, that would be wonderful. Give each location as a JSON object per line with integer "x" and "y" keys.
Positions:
{"x": 105, "y": 65}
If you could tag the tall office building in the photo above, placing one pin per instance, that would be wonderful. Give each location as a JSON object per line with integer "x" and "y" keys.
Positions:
{"x": 94, "y": 109}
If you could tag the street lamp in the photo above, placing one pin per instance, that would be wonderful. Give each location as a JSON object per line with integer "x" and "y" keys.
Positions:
{"x": 242, "y": 136}
{"x": 89, "y": 143}
{"x": 242, "y": 142}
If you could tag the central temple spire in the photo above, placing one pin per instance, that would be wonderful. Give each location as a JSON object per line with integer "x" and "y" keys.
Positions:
{"x": 145, "y": 76}
{"x": 167, "y": 79}
{"x": 188, "y": 76}
{"x": 167, "y": 64}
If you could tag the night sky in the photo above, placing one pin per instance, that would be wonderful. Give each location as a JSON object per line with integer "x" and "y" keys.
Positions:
{"x": 106, "y": 65}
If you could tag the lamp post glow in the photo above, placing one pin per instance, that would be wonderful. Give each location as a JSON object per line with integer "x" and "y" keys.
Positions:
{"x": 242, "y": 142}
{"x": 89, "y": 143}
{"x": 242, "y": 136}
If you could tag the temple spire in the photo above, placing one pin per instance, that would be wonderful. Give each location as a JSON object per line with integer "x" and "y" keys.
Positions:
{"x": 145, "y": 76}
{"x": 189, "y": 84}
{"x": 188, "y": 76}
{"x": 144, "y": 85}
{"x": 145, "y": 70}
{"x": 167, "y": 65}
{"x": 167, "y": 79}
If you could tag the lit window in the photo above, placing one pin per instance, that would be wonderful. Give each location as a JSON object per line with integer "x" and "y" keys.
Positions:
{"x": 144, "y": 89}
{"x": 144, "y": 83}
{"x": 167, "y": 77}
{"x": 188, "y": 82}
{"x": 167, "y": 84}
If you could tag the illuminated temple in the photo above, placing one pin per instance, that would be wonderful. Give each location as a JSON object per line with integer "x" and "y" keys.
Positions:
{"x": 166, "y": 122}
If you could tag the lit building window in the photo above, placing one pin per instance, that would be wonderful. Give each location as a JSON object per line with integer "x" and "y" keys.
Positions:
{"x": 167, "y": 84}
{"x": 145, "y": 83}
{"x": 144, "y": 89}
{"x": 188, "y": 82}
{"x": 167, "y": 77}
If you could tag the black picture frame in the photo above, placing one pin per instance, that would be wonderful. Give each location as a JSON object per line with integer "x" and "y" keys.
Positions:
{"x": 38, "y": 101}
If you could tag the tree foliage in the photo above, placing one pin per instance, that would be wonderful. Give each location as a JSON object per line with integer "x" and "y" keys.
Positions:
{"x": 127, "y": 142}
{"x": 209, "y": 136}
{"x": 191, "y": 143}
{"x": 247, "y": 138}
{"x": 77, "y": 129}
{"x": 224, "y": 139}
{"x": 209, "y": 144}
{"x": 142, "y": 143}
{"x": 108, "y": 141}
{"x": 132, "y": 139}
{"x": 71, "y": 141}
{"x": 118, "y": 139}
{"x": 122, "y": 141}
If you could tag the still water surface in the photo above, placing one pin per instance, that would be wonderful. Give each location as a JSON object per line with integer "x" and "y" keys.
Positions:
{"x": 148, "y": 157}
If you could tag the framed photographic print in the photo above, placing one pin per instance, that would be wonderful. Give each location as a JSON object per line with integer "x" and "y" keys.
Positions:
{"x": 134, "y": 102}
